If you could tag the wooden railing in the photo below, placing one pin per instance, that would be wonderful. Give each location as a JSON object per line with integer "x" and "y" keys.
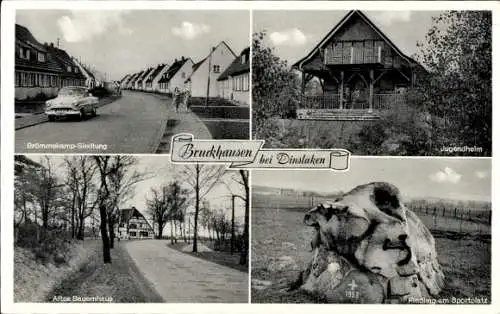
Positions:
{"x": 332, "y": 101}
{"x": 387, "y": 101}
{"x": 328, "y": 101}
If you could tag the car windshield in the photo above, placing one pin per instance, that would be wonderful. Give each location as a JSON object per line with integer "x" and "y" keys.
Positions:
{"x": 72, "y": 92}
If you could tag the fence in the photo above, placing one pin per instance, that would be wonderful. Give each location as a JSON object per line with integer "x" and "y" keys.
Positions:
{"x": 466, "y": 220}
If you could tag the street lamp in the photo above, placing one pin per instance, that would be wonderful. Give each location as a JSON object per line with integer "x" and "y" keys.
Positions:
{"x": 232, "y": 220}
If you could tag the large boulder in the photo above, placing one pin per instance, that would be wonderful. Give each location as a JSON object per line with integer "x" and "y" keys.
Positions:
{"x": 370, "y": 227}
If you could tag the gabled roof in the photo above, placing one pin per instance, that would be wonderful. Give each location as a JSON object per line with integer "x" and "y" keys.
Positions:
{"x": 197, "y": 65}
{"x": 27, "y": 40}
{"x": 64, "y": 61}
{"x": 237, "y": 67}
{"x": 155, "y": 72}
{"x": 132, "y": 78}
{"x": 128, "y": 213}
{"x": 137, "y": 77}
{"x": 173, "y": 69}
{"x": 350, "y": 15}
{"x": 143, "y": 76}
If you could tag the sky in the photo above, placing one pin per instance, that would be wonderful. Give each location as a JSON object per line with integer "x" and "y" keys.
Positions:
{"x": 448, "y": 178}
{"x": 161, "y": 171}
{"x": 118, "y": 42}
{"x": 294, "y": 34}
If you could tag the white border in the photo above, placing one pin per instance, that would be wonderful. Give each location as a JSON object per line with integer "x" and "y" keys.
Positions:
{"x": 7, "y": 151}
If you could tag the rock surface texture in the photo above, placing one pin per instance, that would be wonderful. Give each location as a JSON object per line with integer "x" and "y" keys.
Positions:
{"x": 369, "y": 248}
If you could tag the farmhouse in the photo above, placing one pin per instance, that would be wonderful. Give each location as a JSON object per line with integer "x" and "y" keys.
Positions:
{"x": 176, "y": 74}
{"x": 234, "y": 82}
{"x": 205, "y": 73}
{"x": 360, "y": 70}
{"x": 133, "y": 225}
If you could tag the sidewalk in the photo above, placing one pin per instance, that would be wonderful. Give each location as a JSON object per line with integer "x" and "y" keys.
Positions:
{"x": 181, "y": 278}
{"x": 180, "y": 122}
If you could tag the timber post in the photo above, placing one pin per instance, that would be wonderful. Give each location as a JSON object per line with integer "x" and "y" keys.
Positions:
{"x": 341, "y": 92}
{"x": 370, "y": 102}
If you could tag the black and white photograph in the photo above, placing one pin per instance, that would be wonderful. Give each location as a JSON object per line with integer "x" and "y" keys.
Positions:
{"x": 390, "y": 230}
{"x": 404, "y": 83}
{"x": 126, "y": 229}
{"x": 125, "y": 81}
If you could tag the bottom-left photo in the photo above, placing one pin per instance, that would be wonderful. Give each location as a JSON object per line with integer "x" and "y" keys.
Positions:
{"x": 126, "y": 228}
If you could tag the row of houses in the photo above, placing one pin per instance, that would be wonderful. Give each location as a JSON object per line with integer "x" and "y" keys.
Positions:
{"x": 221, "y": 73}
{"x": 42, "y": 69}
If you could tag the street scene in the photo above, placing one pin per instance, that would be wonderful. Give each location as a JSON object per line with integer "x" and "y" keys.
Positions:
{"x": 100, "y": 228}
{"x": 371, "y": 235}
{"x": 119, "y": 86}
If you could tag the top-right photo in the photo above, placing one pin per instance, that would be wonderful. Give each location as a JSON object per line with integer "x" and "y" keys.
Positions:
{"x": 405, "y": 83}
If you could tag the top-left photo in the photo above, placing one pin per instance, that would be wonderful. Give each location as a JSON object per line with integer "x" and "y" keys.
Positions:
{"x": 124, "y": 82}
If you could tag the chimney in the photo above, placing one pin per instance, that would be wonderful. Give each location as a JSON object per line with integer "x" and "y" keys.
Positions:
{"x": 175, "y": 61}
{"x": 52, "y": 45}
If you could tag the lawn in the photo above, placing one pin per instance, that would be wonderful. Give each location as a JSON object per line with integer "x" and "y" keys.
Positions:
{"x": 278, "y": 232}
{"x": 217, "y": 257}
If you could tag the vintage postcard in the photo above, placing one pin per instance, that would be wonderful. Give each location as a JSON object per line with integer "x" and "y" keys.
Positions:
{"x": 245, "y": 156}
{"x": 124, "y": 81}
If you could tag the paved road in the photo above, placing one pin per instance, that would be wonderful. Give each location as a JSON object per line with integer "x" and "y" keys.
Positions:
{"x": 131, "y": 124}
{"x": 181, "y": 278}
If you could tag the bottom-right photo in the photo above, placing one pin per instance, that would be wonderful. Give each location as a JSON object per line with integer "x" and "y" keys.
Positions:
{"x": 389, "y": 230}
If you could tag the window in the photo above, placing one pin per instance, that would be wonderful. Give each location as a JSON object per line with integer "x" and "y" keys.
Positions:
{"x": 18, "y": 79}
{"x": 132, "y": 226}
{"x": 246, "y": 82}
{"x": 76, "y": 70}
{"x": 24, "y": 53}
{"x": 69, "y": 68}
{"x": 243, "y": 59}
{"x": 132, "y": 233}
{"x": 41, "y": 57}
{"x": 216, "y": 68}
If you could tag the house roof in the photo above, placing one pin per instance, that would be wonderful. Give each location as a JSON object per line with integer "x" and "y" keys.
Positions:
{"x": 128, "y": 213}
{"x": 26, "y": 39}
{"x": 64, "y": 61}
{"x": 143, "y": 76}
{"x": 197, "y": 65}
{"x": 237, "y": 67}
{"x": 173, "y": 69}
{"x": 137, "y": 77}
{"x": 337, "y": 27}
{"x": 155, "y": 72}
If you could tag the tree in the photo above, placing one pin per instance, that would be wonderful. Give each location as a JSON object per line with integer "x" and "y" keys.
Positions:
{"x": 116, "y": 182}
{"x": 244, "y": 253}
{"x": 458, "y": 55}
{"x": 80, "y": 179}
{"x": 202, "y": 179}
{"x": 167, "y": 203}
{"x": 274, "y": 92}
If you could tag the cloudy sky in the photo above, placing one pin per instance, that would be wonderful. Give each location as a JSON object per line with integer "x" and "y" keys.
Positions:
{"x": 119, "y": 42}
{"x": 295, "y": 33}
{"x": 449, "y": 178}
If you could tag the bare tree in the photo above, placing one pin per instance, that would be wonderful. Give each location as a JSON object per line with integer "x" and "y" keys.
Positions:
{"x": 202, "y": 178}
{"x": 81, "y": 172}
{"x": 168, "y": 203}
{"x": 116, "y": 185}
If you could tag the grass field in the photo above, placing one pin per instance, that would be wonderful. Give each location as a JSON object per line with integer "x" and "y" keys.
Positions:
{"x": 279, "y": 231}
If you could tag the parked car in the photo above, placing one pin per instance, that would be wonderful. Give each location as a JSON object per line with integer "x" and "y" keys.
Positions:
{"x": 75, "y": 101}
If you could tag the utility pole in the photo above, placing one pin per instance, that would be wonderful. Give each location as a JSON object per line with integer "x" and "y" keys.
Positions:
{"x": 232, "y": 225}
{"x": 209, "y": 72}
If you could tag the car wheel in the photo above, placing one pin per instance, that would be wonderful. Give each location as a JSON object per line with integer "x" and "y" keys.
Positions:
{"x": 82, "y": 115}
{"x": 51, "y": 118}
{"x": 94, "y": 112}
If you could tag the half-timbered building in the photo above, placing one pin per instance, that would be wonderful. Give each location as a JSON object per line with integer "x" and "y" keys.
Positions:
{"x": 361, "y": 71}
